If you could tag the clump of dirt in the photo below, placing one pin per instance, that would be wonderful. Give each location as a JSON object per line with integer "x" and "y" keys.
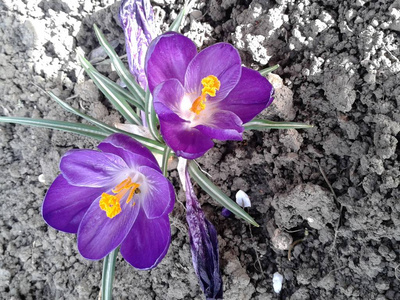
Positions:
{"x": 339, "y": 71}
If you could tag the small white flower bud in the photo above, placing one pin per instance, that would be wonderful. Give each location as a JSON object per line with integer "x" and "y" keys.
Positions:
{"x": 243, "y": 199}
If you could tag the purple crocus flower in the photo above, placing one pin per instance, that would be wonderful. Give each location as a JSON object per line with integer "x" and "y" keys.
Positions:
{"x": 203, "y": 245}
{"x": 113, "y": 197}
{"x": 137, "y": 20}
{"x": 202, "y": 96}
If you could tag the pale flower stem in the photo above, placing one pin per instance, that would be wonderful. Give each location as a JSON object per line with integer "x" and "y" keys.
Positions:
{"x": 107, "y": 278}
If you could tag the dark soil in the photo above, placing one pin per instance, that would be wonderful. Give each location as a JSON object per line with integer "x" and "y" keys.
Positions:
{"x": 339, "y": 71}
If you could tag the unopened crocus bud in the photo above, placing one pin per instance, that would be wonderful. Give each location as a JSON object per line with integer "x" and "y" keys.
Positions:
{"x": 226, "y": 212}
{"x": 137, "y": 20}
{"x": 203, "y": 245}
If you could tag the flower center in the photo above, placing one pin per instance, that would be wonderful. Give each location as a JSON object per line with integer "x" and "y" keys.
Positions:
{"x": 211, "y": 85}
{"x": 111, "y": 203}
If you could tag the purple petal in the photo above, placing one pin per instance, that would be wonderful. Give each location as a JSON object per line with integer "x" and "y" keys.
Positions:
{"x": 203, "y": 245}
{"x": 222, "y": 125}
{"x": 168, "y": 57}
{"x": 186, "y": 142}
{"x": 147, "y": 242}
{"x": 64, "y": 205}
{"x": 168, "y": 99}
{"x": 221, "y": 60}
{"x": 131, "y": 151}
{"x": 226, "y": 212}
{"x": 98, "y": 235}
{"x": 91, "y": 168}
{"x": 251, "y": 95}
{"x": 137, "y": 20}
{"x": 155, "y": 197}
{"x": 171, "y": 196}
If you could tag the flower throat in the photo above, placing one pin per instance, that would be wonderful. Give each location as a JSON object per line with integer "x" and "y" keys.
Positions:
{"x": 211, "y": 85}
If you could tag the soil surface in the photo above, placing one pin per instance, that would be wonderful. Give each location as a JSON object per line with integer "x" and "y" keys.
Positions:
{"x": 333, "y": 188}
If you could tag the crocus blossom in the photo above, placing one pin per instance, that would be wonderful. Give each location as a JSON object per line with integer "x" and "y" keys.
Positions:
{"x": 137, "y": 20}
{"x": 202, "y": 96}
{"x": 203, "y": 245}
{"x": 113, "y": 197}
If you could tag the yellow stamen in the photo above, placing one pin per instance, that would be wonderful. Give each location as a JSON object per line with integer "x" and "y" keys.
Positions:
{"x": 211, "y": 85}
{"x": 111, "y": 203}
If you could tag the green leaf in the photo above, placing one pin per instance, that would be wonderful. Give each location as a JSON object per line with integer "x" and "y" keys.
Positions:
{"x": 269, "y": 70}
{"x": 152, "y": 145}
{"x": 77, "y": 112}
{"x": 151, "y": 117}
{"x": 107, "y": 278}
{"x": 259, "y": 124}
{"x": 123, "y": 73}
{"x": 111, "y": 90}
{"x": 178, "y": 21}
{"x": 82, "y": 129}
{"x": 165, "y": 158}
{"x": 217, "y": 194}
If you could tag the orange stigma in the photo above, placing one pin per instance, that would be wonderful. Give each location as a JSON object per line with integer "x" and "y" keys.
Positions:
{"x": 211, "y": 85}
{"x": 111, "y": 203}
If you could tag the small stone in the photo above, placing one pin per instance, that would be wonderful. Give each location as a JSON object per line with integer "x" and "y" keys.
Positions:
{"x": 281, "y": 240}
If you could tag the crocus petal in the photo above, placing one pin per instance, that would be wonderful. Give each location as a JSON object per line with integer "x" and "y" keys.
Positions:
{"x": 131, "y": 151}
{"x": 147, "y": 242}
{"x": 223, "y": 126}
{"x": 251, "y": 95}
{"x": 221, "y": 60}
{"x": 98, "y": 235}
{"x": 186, "y": 142}
{"x": 203, "y": 245}
{"x": 168, "y": 57}
{"x": 137, "y": 20}
{"x": 242, "y": 199}
{"x": 226, "y": 212}
{"x": 168, "y": 98}
{"x": 65, "y": 205}
{"x": 155, "y": 196}
{"x": 91, "y": 168}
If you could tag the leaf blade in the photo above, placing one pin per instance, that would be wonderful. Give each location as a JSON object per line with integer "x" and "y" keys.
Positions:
{"x": 123, "y": 73}
{"x": 151, "y": 118}
{"x": 164, "y": 164}
{"x": 182, "y": 14}
{"x": 266, "y": 71}
{"x": 114, "y": 95}
{"x": 82, "y": 129}
{"x": 259, "y": 124}
{"x": 217, "y": 194}
{"x": 111, "y": 84}
{"x": 77, "y": 112}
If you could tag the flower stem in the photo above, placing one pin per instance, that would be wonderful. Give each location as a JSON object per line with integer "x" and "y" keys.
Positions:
{"x": 108, "y": 275}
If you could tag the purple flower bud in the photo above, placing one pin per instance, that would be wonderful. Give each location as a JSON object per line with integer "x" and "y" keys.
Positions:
{"x": 204, "y": 246}
{"x": 226, "y": 212}
{"x": 137, "y": 20}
